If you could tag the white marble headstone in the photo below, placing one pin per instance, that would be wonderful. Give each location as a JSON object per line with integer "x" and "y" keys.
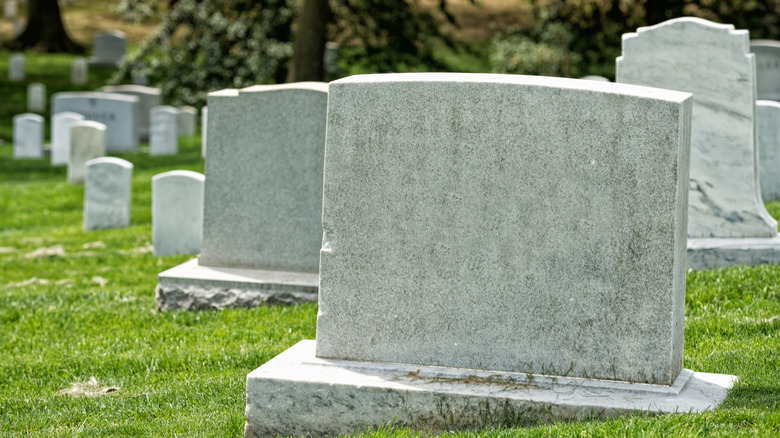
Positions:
{"x": 177, "y": 212}
{"x": 164, "y": 137}
{"x": 187, "y": 120}
{"x": 148, "y": 98}
{"x": 10, "y": 9}
{"x": 28, "y": 136}
{"x": 768, "y": 133}
{"x": 767, "y": 68}
{"x": 16, "y": 67}
{"x": 79, "y": 71}
{"x": 109, "y": 48}
{"x": 713, "y": 62}
{"x": 107, "y": 193}
{"x": 87, "y": 141}
{"x": 60, "y": 136}
{"x": 119, "y": 112}
{"x": 36, "y": 97}
{"x": 204, "y": 119}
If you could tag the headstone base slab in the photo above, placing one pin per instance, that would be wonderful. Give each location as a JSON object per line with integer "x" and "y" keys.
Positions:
{"x": 191, "y": 286}
{"x": 299, "y": 394}
{"x": 715, "y": 252}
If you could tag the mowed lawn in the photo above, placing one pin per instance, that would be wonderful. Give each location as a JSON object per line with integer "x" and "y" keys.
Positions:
{"x": 84, "y": 353}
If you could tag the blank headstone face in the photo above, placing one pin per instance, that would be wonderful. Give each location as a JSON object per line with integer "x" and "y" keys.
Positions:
{"x": 16, "y": 67}
{"x": 164, "y": 136}
{"x": 188, "y": 117}
{"x": 36, "y": 97}
{"x": 767, "y": 68}
{"x": 60, "y": 136}
{"x": 87, "y": 141}
{"x": 10, "y": 9}
{"x": 204, "y": 118}
{"x": 711, "y": 61}
{"x": 177, "y": 212}
{"x": 263, "y": 206}
{"x": 768, "y": 130}
{"x": 109, "y": 47}
{"x": 79, "y": 71}
{"x": 500, "y": 222}
{"x": 148, "y": 98}
{"x": 118, "y": 112}
{"x": 28, "y": 136}
{"x": 107, "y": 193}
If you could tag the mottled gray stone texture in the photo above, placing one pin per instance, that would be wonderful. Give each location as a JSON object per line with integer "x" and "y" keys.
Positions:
{"x": 87, "y": 142}
{"x": 148, "y": 98}
{"x": 298, "y": 394}
{"x": 28, "y": 135}
{"x": 713, "y": 62}
{"x": 118, "y": 112}
{"x": 263, "y": 205}
{"x": 767, "y": 68}
{"x": 768, "y": 134}
{"x": 177, "y": 212}
{"x": 107, "y": 193}
{"x": 500, "y": 222}
{"x": 204, "y": 120}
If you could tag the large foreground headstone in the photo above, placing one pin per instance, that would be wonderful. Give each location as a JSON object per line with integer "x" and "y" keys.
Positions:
{"x": 148, "y": 98}
{"x": 109, "y": 48}
{"x": 177, "y": 212}
{"x": 768, "y": 133}
{"x": 107, "y": 193}
{"x": 60, "y": 136}
{"x": 87, "y": 141}
{"x": 262, "y": 225}
{"x": 164, "y": 136}
{"x": 28, "y": 135}
{"x": 482, "y": 235}
{"x": 118, "y": 112}
{"x": 713, "y": 62}
{"x": 767, "y": 68}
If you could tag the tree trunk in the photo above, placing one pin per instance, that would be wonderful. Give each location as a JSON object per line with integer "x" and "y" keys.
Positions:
{"x": 44, "y": 30}
{"x": 309, "y": 44}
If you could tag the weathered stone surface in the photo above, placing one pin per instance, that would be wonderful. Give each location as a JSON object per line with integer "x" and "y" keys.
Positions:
{"x": 60, "y": 136}
{"x": 713, "y": 62}
{"x": 263, "y": 206}
{"x": 164, "y": 135}
{"x": 546, "y": 213}
{"x": 298, "y": 394}
{"x": 28, "y": 136}
{"x": 87, "y": 142}
{"x": 107, "y": 193}
{"x": 767, "y": 68}
{"x": 768, "y": 135}
{"x": 177, "y": 212}
{"x": 148, "y": 98}
{"x": 191, "y": 286}
{"x": 118, "y": 112}
{"x": 109, "y": 48}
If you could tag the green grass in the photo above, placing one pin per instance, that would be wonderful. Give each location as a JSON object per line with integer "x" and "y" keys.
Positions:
{"x": 90, "y": 313}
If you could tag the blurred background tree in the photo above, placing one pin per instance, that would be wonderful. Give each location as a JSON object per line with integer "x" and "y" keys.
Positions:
{"x": 44, "y": 30}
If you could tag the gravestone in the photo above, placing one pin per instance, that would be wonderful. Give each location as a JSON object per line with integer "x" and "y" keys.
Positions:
{"x": 109, "y": 48}
{"x": 148, "y": 98}
{"x": 482, "y": 234}
{"x": 768, "y": 133}
{"x": 118, "y": 112}
{"x": 107, "y": 193}
{"x": 204, "y": 118}
{"x": 767, "y": 68}
{"x": 187, "y": 119}
{"x": 36, "y": 97}
{"x": 28, "y": 135}
{"x": 79, "y": 71}
{"x": 16, "y": 67}
{"x": 330, "y": 59}
{"x": 140, "y": 79}
{"x": 262, "y": 223}
{"x": 177, "y": 212}
{"x": 164, "y": 137}
{"x": 10, "y": 9}
{"x": 87, "y": 142}
{"x": 595, "y": 78}
{"x": 60, "y": 136}
{"x": 713, "y": 62}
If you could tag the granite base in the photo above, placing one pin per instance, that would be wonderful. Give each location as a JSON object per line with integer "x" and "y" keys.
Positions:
{"x": 298, "y": 394}
{"x": 191, "y": 286}
{"x": 714, "y": 252}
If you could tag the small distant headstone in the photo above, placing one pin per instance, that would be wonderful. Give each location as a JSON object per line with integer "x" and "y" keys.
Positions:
{"x": 28, "y": 136}
{"x": 140, "y": 79}
{"x": 60, "y": 136}
{"x": 79, "y": 71}
{"x": 177, "y": 212}
{"x": 18, "y": 28}
{"x": 767, "y": 68}
{"x": 16, "y": 67}
{"x": 36, "y": 97}
{"x": 119, "y": 112}
{"x": 768, "y": 134}
{"x": 10, "y": 9}
{"x": 148, "y": 97}
{"x": 204, "y": 119}
{"x": 595, "y": 78}
{"x": 107, "y": 193}
{"x": 87, "y": 141}
{"x": 188, "y": 117}
{"x": 330, "y": 59}
{"x": 164, "y": 138}
{"x": 109, "y": 48}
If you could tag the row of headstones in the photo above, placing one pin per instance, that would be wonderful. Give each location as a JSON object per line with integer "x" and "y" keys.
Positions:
{"x": 79, "y": 70}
